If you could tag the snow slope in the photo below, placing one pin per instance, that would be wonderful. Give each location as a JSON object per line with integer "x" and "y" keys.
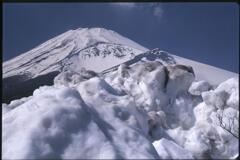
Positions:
{"x": 91, "y": 48}
{"x": 206, "y": 72}
{"x": 81, "y": 43}
{"x": 211, "y": 74}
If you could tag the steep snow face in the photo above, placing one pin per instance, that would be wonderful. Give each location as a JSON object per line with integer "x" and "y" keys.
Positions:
{"x": 55, "y": 53}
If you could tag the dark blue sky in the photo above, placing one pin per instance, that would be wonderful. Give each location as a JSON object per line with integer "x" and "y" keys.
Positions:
{"x": 205, "y": 32}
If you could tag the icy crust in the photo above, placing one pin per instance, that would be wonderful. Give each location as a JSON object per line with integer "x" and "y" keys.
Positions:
{"x": 145, "y": 110}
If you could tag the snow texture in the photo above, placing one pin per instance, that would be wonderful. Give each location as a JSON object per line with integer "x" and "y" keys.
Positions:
{"x": 127, "y": 113}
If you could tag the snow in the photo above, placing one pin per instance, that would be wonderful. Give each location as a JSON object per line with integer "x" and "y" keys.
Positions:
{"x": 113, "y": 99}
{"x": 198, "y": 87}
{"x": 169, "y": 150}
{"x": 63, "y": 126}
{"x": 79, "y": 48}
{"x": 179, "y": 81}
{"x": 211, "y": 74}
{"x": 55, "y": 53}
{"x": 207, "y": 138}
{"x": 127, "y": 113}
{"x": 225, "y": 95}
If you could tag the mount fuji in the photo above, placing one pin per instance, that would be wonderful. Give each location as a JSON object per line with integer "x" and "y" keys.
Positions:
{"x": 96, "y": 49}
{"x": 92, "y": 93}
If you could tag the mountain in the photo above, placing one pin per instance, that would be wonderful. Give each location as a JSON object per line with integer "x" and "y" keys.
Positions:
{"x": 93, "y": 94}
{"x": 75, "y": 46}
{"x": 96, "y": 49}
{"x": 93, "y": 48}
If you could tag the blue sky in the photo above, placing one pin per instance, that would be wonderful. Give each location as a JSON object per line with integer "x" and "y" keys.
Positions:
{"x": 205, "y": 32}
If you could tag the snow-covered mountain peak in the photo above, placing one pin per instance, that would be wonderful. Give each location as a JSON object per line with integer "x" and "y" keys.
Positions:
{"x": 53, "y": 54}
{"x": 96, "y": 49}
{"x": 93, "y": 35}
{"x": 84, "y": 37}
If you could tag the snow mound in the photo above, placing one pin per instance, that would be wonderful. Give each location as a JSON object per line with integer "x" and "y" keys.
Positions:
{"x": 58, "y": 124}
{"x": 198, "y": 87}
{"x": 225, "y": 95}
{"x": 216, "y": 131}
{"x": 140, "y": 110}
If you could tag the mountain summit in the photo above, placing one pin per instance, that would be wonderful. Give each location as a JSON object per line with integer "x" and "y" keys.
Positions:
{"x": 82, "y": 43}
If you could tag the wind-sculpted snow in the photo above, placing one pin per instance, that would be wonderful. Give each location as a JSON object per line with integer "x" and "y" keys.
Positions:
{"x": 143, "y": 110}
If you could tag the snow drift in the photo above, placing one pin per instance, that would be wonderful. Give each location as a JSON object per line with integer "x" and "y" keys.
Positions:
{"x": 141, "y": 111}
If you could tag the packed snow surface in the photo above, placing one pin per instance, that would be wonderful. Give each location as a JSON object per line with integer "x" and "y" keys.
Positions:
{"x": 139, "y": 111}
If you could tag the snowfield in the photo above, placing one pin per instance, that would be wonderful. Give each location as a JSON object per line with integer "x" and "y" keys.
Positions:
{"x": 145, "y": 105}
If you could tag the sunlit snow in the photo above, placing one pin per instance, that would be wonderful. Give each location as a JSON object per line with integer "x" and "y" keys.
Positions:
{"x": 143, "y": 106}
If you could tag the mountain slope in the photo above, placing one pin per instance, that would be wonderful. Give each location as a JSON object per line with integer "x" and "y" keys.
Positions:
{"x": 206, "y": 72}
{"x": 51, "y": 55}
{"x": 92, "y": 48}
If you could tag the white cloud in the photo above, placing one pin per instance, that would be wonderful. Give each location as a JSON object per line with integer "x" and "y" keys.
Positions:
{"x": 158, "y": 11}
{"x": 155, "y": 8}
{"x": 128, "y": 5}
